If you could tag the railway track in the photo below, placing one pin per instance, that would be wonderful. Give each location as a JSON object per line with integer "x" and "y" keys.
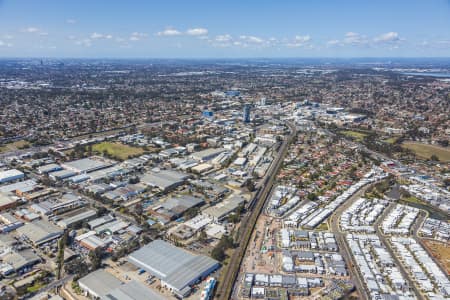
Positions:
{"x": 225, "y": 288}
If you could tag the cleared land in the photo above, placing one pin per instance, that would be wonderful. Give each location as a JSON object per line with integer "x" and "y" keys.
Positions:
{"x": 14, "y": 146}
{"x": 117, "y": 150}
{"x": 426, "y": 151}
{"x": 441, "y": 251}
{"x": 359, "y": 136}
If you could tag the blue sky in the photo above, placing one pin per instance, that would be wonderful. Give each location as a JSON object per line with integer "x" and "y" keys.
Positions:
{"x": 224, "y": 29}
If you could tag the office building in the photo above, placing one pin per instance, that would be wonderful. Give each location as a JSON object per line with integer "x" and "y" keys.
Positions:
{"x": 246, "y": 113}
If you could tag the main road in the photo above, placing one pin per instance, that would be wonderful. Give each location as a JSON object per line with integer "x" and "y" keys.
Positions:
{"x": 231, "y": 271}
{"x": 340, "y": 238}
{"x": 388, "y": 246}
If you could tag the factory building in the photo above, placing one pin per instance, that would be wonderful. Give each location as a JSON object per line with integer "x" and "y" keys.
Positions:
{"x": 10, "y": 175}
{"x": 177, "y": 269}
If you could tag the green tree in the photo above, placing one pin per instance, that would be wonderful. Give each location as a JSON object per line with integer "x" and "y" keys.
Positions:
{"x": 218, "y": 254}
{"x": 434, "y": 157}
{"x": 60, "y": 258}
{"x": 95, "y": 257}
{"x": 203, "y": 236}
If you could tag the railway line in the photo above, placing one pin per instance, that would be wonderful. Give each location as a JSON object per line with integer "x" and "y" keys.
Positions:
{"x": 226, "y": 287}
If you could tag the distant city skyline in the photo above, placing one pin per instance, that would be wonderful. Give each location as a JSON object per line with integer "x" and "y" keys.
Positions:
{"x": 224, "y": 29}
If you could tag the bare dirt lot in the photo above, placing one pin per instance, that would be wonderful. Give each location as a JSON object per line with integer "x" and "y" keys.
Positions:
{"x": 441, "y": 251}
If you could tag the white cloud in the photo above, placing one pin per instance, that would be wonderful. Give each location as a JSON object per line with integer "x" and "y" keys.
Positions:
{"x": 354, "y": 38}
{"x": 222, "y": 41}
{"x": 223, "y": 38}
{"x": 302, "y": 38}
{"x": 34, "y": 30}
{"x": 84, "y": 42}
{"x": 300, "y": 41}
{"x": 71, "y": 21}
{"x": 31, "y": 30}
{"x": 169, "y": 32}
{"x": 71, "y": 37}
{"x": 96, "y": 35}
{"x": 387, "y": 37}
{"x": 197, "y": 31}
{"x": 333, "y": 43}
{"x": 8, "y": 37}
{"x": 101, "y": 36}
{"x": 252, "y": 39}
{"x": 137, "y": 36}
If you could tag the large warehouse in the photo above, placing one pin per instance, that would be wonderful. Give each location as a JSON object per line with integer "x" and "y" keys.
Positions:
{"x": 98, "y": 283}
{"x": 10, "y": 175}
{"x": 177, "y": 269}
{"x": 103, "y": 285}
{"x": 40, "y": 232}
{"x": 207, "y": 154}
{"x": 132, "y": 290}
{"x": 85, "y": 165}
{"x": 164, "y": 179}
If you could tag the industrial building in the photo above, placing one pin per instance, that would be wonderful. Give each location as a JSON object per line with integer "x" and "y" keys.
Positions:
{"x": 18, "y": 261}
{"x": 177, "y": 269}
{"x": 85, "y": 165}
{"x": 219, "y": 211}
{"x": 56, "y": 206}
{"x": 77, "y": 217}
{"x": 40, "y": 232}
{"x": 61, "y": 175}
{"x": 164, "y": 179}
{"x": 8, "y": 222}
{"x": 98, "y": 283}
{"x": 20, "y": 187}
{"x": 10, "y": 175}
{"x": 207, "y": 154}
{"x": 175, "y": 207}
{"x": 133, "y": 290}
{"x": 49, "y": 168}
{"x": 6, "y": 201}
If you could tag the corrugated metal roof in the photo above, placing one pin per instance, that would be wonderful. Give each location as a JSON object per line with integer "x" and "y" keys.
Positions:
{"x": 133, "y": 290}
{"x": 175, "y": 266}
{"x": 99, "y": 282}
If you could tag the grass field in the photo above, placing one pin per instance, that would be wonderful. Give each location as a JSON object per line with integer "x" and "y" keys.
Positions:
{"x": 391, "y": 140}
{"x": 359, "y": 136}
{"x": 36, "y": 287}
{"x": 14, "y": 146}
{"x": 426, "y": 151}
{"x": 117, "y": 150}
{"x": 441, "y": 251}
{"x": 322, "y": 226}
